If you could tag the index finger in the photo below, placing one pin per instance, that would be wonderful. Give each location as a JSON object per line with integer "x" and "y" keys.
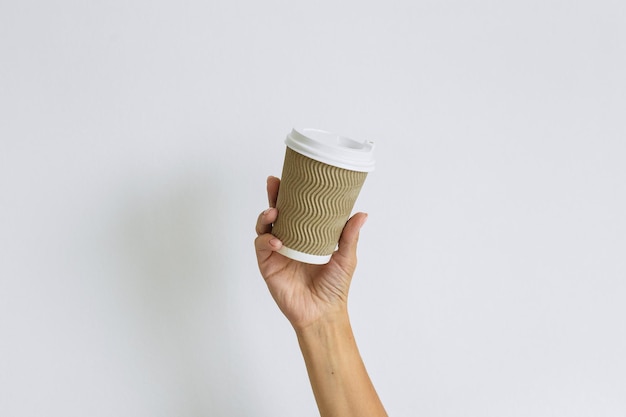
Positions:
{"x": 273, "y": 184}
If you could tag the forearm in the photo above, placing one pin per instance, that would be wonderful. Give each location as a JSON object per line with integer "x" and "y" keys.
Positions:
{"x": 338, "y": 376}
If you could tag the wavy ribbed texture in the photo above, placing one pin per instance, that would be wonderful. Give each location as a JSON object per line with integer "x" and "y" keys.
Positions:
{"x": 314, "y": 202}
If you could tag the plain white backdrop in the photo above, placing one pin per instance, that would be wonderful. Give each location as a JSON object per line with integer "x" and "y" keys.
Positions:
{"x": 135, "y": 139}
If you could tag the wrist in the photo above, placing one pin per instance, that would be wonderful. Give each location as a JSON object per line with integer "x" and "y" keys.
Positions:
{"x": 332, "y": 322}
{"x": 327, "y": 339}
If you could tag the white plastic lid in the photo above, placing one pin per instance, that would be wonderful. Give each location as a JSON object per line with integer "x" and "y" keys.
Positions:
{"x": 332, "y": 149}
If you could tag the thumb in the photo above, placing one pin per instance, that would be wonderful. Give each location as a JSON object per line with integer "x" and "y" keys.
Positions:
{"x": 350, "y": 235}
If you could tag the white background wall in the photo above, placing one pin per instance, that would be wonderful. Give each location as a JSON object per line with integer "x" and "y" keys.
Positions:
{"x": 135, "y": 138}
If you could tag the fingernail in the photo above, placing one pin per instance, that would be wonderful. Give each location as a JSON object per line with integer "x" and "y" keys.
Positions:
{"x": 267, "y": 211}
{"x": 276, "y": 243}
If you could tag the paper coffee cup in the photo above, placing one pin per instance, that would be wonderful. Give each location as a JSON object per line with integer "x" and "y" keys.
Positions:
{"x": 322, "y": 176}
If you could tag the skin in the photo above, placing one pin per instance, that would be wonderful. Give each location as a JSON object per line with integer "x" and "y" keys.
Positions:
{"x": 314, "y": 298}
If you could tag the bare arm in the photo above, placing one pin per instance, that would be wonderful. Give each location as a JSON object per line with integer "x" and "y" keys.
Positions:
{"x": 314, "y": 300}
{"x": 338, "y": 377}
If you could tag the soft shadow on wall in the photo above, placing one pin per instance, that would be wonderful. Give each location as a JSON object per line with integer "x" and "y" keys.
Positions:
{"x": 168, "y": 242}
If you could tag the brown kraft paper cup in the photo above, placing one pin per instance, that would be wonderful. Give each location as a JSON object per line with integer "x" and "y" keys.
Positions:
{"x": 315, "y": 200}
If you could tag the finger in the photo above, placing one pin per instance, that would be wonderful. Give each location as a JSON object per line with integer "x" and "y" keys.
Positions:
{"x": 272, "y": 190}
{"x": 265, "y": 245}
{"x": 265, "y": 220}
{"x": 350, "y": 235}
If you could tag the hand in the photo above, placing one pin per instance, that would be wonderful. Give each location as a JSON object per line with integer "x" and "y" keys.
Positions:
{"x": 306, "y": 293}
